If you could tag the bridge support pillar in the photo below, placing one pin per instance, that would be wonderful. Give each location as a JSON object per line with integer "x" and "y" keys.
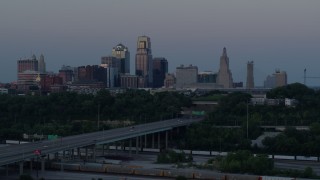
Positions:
{"x": 130, "y": 145}
{"x": 42, "y": 164}
{"x": 21, "y": 167}
{"x": 78, "y": 153}
{"x": 137, "y": 144}
{"x": 72, "y": 154}
{"x": 86, "y": 156}
{"x": 166, "y": 140}
{"x": 94, "y": 152}
{"x": 159, "y": 141}
{"x": 145, "y": 141}
{"x": 152, "y": 140}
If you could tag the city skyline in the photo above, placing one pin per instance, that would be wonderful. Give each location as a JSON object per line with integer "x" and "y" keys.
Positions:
{"x": 275, "y": 34}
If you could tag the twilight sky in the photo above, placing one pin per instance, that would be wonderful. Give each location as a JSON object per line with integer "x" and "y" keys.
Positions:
{"x": 275, "y": 34}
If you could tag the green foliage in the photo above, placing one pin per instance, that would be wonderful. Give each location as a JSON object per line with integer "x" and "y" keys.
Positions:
{"x": 295, "y": 142}
{"x": 173, "y": 157}
{"x": 245, "y": 162}
{"x": 70, "y": 113}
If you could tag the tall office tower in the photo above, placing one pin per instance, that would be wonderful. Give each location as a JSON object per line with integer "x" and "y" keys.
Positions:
{"x": 281, "y": 78}
{"x": 207, "y": 77}
{"x": 28, "y": 64}
{"x": 277, "y": 79}
{"x": 122, "y": 53}
{"x": 160, "y": 68}
{"x": 144, "y": 61}
{"x": 224, "y": 75}
{"x": 186, "y": 75}
{"x": 250, "y": 80}
{"x": 27, "y": 73}
{"x": 41, "y": 64}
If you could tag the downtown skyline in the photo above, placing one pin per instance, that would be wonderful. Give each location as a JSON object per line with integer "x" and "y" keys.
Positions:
{"x": 275, "y": 34}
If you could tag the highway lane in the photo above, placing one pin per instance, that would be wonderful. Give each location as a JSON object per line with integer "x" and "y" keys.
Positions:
{"x": 16, "y": 153}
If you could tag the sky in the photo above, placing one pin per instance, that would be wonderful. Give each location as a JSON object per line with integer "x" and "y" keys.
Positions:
{"x": 275, "y": 34}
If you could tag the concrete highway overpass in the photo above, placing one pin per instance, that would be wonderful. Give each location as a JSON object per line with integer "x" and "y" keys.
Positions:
{"x": 22, "y": 152}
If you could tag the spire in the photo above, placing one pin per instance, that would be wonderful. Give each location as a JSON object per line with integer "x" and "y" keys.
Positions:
{"x": 224, "y": 53}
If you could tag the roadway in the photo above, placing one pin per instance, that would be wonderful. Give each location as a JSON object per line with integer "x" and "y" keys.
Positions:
{"x": 18, "y": 153}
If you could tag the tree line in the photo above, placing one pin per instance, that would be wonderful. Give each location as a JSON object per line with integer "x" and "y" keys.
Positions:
{"x": 71, "y": 113}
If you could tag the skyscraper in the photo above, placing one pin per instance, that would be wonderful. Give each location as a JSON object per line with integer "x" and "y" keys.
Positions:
{"x": 41, "y": 64}
{"x": 160, "y": 68}
{"x": 144, "y": 60}
{"x": 28, "y": 64}
{"x": 250, "y": 80}
{"x": 277, "y": 79}
{"x": 122, "y": 54}
{"x": 224, "y": 75}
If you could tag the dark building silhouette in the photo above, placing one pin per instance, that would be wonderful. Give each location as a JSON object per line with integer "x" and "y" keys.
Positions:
{"x": 160, "y": 68}
{"x": 250, "y": 80}
{"x": 122, "y": 54}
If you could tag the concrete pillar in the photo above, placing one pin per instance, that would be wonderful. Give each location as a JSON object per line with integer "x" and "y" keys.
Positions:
{"x": 141, "y": 144}
{"x": 72, "y": 154}
{"x": 166, "y": 140}
{"x": 64, "y": 154}
{"x": 21, "y": 167}
{"x": 145, "y": 141}
{"x": 137, "y": 144}
{"x": 86, "y": 156}
{"x": 102, "y": 149}
{"x": 94, "y": 152}
{"x": 130, "y": 144}
{"x": 152, "y": 140}
{"x": 69, "y": 154}
{"x": 42, "y": 164}
{"x": 159, "y": 140}
{"x": 79, "y": 153}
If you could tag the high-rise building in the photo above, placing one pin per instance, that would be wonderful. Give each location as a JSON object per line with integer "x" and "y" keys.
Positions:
{"x": 224, "y": 75}
{"x": 160, "y": 68}
{"x": 186, "y": 75}
{"x": 207, "y": 77}
{"x": 144, "y": 61}
{"x": 277, "y": 79}
{"x": 250, "y": 80}
{"x": 110, "y": 61}
{"x": 122, "y": 54}
{"x": 28, "y": 64}
{"x": 41, "y": 64}
{"x": 129, "y": 81}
